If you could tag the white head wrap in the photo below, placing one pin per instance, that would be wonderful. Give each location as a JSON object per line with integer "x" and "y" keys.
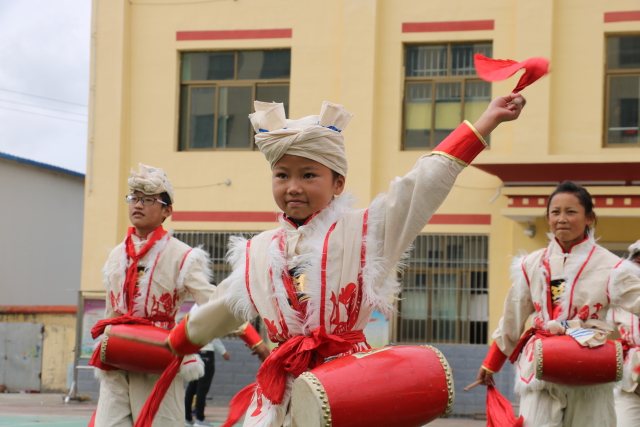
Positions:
{"x": 634, "y": 248}
{"x": 314, "y": 137}
{"x": 150, "y": 180}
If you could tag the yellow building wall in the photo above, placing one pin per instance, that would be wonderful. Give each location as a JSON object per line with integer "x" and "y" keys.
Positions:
{"x": 349, "y": 52}
{"x": 58, "y": 342}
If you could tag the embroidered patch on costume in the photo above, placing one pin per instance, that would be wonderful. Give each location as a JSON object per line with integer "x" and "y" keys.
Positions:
{"x": 557, "y": 289}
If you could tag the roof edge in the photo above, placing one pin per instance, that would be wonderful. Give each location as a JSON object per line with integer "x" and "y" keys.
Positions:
{"x": 41, "y": 165}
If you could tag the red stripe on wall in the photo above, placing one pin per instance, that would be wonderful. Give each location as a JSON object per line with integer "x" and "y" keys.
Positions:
{"x": 633, "y": 15}
{"x": 38, "y": 309}
{"x": 430, "y": 27}
{"x": 460, "y": 219}
{"x": 457, "y": 219}
{"x": 225, "y": 216}
{"x": 282, "y": 33}
{"x": 630, "y": 201}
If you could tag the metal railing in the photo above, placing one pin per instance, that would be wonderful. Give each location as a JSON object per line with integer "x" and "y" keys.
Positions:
{"x": 445, "y": 291}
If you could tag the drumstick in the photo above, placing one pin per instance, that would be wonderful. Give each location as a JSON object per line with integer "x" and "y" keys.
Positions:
{"x": 472, "y": 385}
{"x": 140, "y": 340}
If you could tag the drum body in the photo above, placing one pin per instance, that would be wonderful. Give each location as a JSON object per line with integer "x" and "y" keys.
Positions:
{"x": 562, "y": 360}
{"x": 135, "y": 356}
{"x": 400, "y": 386}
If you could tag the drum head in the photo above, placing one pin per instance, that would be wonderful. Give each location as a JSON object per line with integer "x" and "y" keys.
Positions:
{"x": 311, "y": 406}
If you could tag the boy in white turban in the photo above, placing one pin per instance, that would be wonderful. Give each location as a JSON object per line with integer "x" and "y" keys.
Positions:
{"x": 317, "y": 278}
{"x": 147, "y": 277}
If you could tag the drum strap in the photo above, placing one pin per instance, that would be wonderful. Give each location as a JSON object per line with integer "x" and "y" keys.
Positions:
{"x": 296, "y": 355}
{"x": 524, "y": 339}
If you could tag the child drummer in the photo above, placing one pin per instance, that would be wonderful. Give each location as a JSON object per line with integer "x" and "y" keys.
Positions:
{"x": 147, "y": 277}
{"x": 317, "y": 278}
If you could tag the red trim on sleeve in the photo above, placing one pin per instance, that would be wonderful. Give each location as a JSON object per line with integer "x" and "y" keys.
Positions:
{"x": 247, "y": 282}
{"x": 462, "y": 145}
{"x": 495, "y": 359}
{"x": 185, "y": 258}
{"x": 179, "y": 340}
{"x": 250, "y": 336}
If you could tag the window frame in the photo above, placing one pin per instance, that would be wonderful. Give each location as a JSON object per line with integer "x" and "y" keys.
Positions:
{"x": 461, "y": 268}
{"x": 630, "y": 72}
{"x": 218, "y": 84}
{"x": 434, "y": 80}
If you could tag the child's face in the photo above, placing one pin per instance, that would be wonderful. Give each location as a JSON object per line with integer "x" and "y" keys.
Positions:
{"x": 302, "y": 187}
{"x": 147, "y": 218}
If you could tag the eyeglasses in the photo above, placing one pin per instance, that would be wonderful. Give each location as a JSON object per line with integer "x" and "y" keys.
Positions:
{"x": 146, "y": 201}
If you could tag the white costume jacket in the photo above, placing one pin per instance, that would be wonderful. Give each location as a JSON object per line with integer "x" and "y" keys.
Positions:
{"x": 594, "y": 279}
{"x": 348, "y": 257}
{"x": 629, "y": 327}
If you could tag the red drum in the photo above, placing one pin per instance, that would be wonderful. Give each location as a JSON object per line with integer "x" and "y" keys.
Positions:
{"x": 135, "y": 356}
{"x": 562, "y": 360}
{"x": 400, "y": 386}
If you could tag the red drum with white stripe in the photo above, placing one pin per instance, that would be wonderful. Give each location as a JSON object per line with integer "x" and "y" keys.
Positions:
{"x": 400, "y": 386}
{"x": 135, "y": 356}
{"x": 562, "y": 360}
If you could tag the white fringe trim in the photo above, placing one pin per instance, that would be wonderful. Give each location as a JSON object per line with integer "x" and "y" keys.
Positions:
{"x": 199, "y": 257}
{"x": 237, "y": 298}
{"x": 275, "y": 414}
{"x": 191, "y": 371}
{"x": 310, "y": 260}
{"x": 380, "y": 283}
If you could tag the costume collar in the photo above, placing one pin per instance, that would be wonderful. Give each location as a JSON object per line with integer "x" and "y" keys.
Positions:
{"x": 581, "y": 248}
{"x": 330, "y": 213}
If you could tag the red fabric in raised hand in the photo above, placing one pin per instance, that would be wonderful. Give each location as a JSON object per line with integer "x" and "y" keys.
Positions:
{"x": 239, "y": 404}
{"x": 500, "y": 411}
{"x": 295, "y": 356}
{"x": 495, "y": 70}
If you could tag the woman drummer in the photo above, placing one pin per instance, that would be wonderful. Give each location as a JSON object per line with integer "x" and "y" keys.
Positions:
{"x": 628, "y": 398}
{"x": 567, "y": 289}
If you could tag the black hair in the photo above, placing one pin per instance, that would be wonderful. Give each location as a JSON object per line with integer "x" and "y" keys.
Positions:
{"x": 164, "y": 196}
{"x": 580, "y": 192}
{"x": 336, "y": 175}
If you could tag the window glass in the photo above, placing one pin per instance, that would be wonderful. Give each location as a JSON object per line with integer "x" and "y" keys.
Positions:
{"x": 436, "y": 77}
{"x": 424, "y": 61}
{"x": 274, "y": 93}
{"x": 264, "y": 64}
{"x": 202, "y": 107}
{"x": 234, "y": 106}
{"x": 217, "y": 93}
{"x": 448, "y": 111}
{"x": 198, "y": 66}
{"x": 477, "y": 96}
{"x": 417, "y": 115}
{"x": 623, "y": 53}
{"x": 462, "y": 57}
{"x": 624, "y": 93}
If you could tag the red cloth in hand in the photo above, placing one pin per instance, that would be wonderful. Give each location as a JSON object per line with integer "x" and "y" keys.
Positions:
{"x": 500, "y": 411}
{"x": 495, "y": 70}
{"x": 295, "y": 356}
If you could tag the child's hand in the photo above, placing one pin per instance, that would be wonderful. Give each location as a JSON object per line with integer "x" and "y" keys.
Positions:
{"x": 502, "y": 109}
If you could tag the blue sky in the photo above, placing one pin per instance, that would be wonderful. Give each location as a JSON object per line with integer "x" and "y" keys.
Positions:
{"x": 44, "y": 80}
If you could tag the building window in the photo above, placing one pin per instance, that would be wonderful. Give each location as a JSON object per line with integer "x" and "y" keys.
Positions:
{"x": 441, "y": 90}
{"x": 444, "y": 291}
{"x": 217, "y": 92}
{"x": 622, "y": 90}
{"x": 216, "y": 244}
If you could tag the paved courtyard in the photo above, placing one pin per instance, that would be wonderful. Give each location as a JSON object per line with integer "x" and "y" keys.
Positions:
{"x": 25, "y": 410}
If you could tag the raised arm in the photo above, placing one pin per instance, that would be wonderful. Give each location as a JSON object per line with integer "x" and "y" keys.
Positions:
{"x": 397, "y": 217}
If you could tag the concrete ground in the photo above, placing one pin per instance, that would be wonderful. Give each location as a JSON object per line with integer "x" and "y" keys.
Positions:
{"x": 25, "y": 410}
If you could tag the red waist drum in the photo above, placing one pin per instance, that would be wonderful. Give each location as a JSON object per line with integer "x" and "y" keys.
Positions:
{"x": 562, "y": 360}
{"x": 400, "y": 386}
{"x": 132, "y": 355}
